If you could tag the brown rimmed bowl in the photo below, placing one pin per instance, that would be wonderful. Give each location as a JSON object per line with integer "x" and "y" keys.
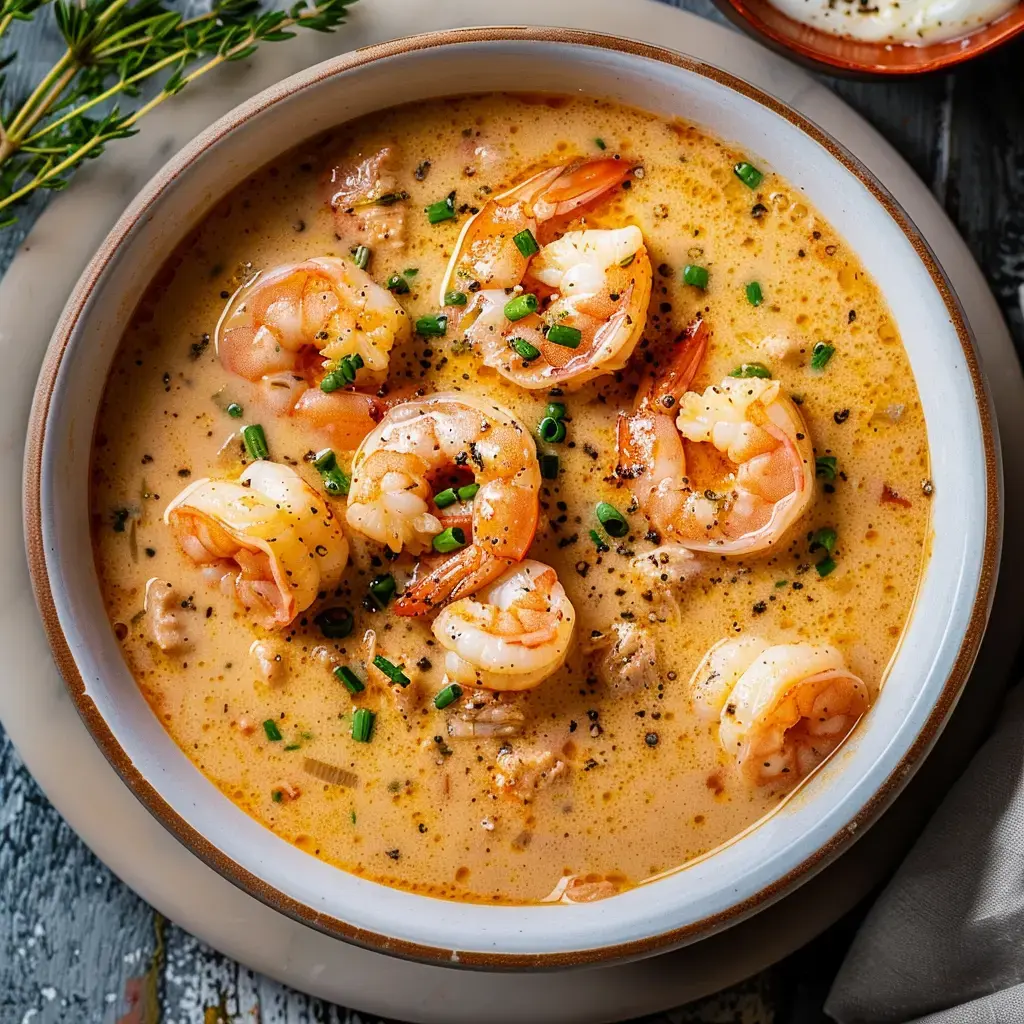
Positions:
{"x": 761, "y": 865}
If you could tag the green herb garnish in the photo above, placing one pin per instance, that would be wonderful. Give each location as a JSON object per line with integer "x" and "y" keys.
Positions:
{"x": 751, "y": 370}
{"x": 393, "y": 672}
{"x": 821, "y": 354}
{"x": 524, "y": 348}
{"x": 255, "y": 442}
{"x": 748, "y": 174}
{"x": 567, "y": 337}
{"x": 235, "y": 411}
{"x": 433, "y": 326}
{"x": 335, "y": 623}
{"x": 549, "y": 466}
{"x": 526, "y": 243}
{"x": 349, "y": 679}
{"x": 362, "y": 724}
{"x": 451, "y": 539}
{"x": 455, "y": 298}
{"x": 754, "y": 295}
{"x": 450, "y": 693}
{"x": 336, "y": 480}
{"x": 826, "y": 466}
{"x": 551, "y": 430}
{"x": 521, "y": 306}
{"x": 696, "y": 276}
{"x": 612, "y": 520}
{"x": 397, "y": 284}
{"x": 442, "y": 210}
{"x": 272, "y": 731}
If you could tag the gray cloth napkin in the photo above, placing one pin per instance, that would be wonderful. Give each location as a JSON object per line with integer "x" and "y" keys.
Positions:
{"x": 944, "y": 943}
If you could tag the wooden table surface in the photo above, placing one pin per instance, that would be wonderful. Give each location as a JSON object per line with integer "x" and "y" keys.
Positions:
{"x": 79, "y": 947}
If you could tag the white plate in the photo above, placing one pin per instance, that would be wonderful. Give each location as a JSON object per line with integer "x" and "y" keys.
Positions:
{"x": 201, "y": 901}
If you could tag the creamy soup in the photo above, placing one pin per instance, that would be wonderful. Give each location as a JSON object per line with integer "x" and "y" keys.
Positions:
{"x": 511, "y": 498}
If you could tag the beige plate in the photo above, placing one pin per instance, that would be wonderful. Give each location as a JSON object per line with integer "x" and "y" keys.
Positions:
{"x": 34, "y": 704}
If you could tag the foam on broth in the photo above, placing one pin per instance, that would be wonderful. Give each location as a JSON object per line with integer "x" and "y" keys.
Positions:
{"x": 648, "y": 787}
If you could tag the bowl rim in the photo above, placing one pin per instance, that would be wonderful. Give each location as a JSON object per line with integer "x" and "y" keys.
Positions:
{"x": 954, "y": 52}
{"x": 245, "y": 879}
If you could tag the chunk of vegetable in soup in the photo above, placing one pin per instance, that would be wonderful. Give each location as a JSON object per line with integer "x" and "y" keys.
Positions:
{"x": 566, "y": 497}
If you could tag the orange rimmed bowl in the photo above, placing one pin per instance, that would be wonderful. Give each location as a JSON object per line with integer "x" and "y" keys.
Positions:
{"x": 823, "y": 51}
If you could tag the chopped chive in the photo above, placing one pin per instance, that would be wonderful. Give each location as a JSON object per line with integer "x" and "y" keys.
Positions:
{"x": 556, "y": 410}
{"x": 567, "y": 337}
{"x": 524, "y": 348}
{"x": 293, "y": 746}
{"x": 780, "y": 583}
{"x": 600, "y": 143}
{"x": 520, "y": 306}
{"x": 393, "y": 672}
{"x": 335, "y": 623}
{"x": 612, "y": 520}
{"x": 451, "y": 692}
{"x": 754, "y": 294}
{"x": 336, "y": 480}
{"x": 696, "y": 276}
{"x": 751, "y": 370}
{"x": 349, "y": 679}
{"x": 362, "y": 724}
{"x": 468, "y": 492}
{"x": 272, "y": 731}
{"x": 432, "y": 326}
{"x": 397, "y": 284}
{"x": 549, "y": 466}
{"x": 446, "y": 497}
{"x": 361, "y": 256}
{"x": 382, "y": 588}
{"x": 825, "y": 566}
{"x": 455, "y": 298}
{"x": 826, "y": 466}
{"x": 333, "y": 381}
{"x": 235, "y": 411}
{"x": 748, "y": 174}
{"x": 449, "y": 540}
{"x": 627, "y": 260}
{"x": 821, "y": 354}
{"x": 824, "y": 538}
{"x": 596, "y": 538}
{"x": 444, "y": 209}
{"x": 526, "y": 243}
{"x": 551, "y": 430}
{"x": 410, "y": 272}
{"x": 255, "y": 441}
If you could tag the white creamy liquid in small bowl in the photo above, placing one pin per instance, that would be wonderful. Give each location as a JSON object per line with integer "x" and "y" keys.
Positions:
{"x": 897, "y": 21}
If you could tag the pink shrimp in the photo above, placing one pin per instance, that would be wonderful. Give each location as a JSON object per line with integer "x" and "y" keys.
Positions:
{"x": 751, "y": 423}
{"x": 390, "y": 499}
{"x": 291, "y": 328}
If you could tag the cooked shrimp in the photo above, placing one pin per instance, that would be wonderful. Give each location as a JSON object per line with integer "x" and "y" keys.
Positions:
{"x": 268, "y": 533}
{"x": 596, "y": 284}
{"x": 767, "y": 482}
{"x": 390, "y": 499}
{"x": 783, "y": 709}
{"x": 286, "y": 329}
{"x": 368, "y": 205}
{"x": 510, "y": 636}
{"x": 485, "y": 254}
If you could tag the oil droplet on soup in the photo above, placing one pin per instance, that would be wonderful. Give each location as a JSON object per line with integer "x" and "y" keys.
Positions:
{"x": 617, "y": 764}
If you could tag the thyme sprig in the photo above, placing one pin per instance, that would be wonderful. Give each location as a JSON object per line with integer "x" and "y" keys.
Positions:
{"x": 112, "y": 48}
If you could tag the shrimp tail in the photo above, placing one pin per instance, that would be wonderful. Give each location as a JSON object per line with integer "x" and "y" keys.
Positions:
{"x": 459, "y": 576}
{"x": 673, "y": 379}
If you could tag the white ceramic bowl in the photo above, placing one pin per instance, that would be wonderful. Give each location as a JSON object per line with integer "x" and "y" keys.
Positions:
{"x": 840, "y": 801}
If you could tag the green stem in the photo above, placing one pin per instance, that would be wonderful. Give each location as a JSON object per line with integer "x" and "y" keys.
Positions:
{"x": 40, "y": 90}
{"x": 106, "y": 95}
